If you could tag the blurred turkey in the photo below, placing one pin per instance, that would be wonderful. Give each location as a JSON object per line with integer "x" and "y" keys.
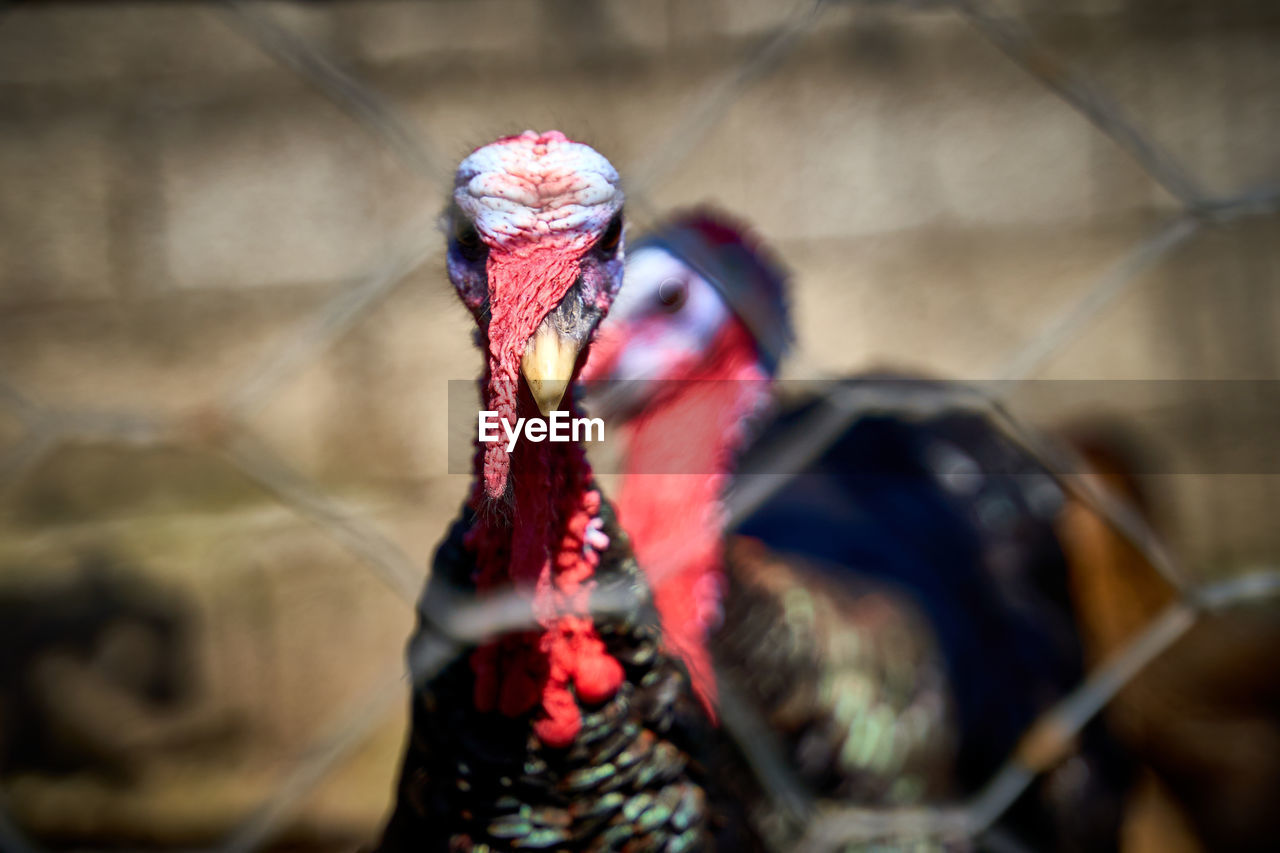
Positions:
{"x": 1204, "y": 718}
{"x": 96, "y": 675}
{"x": 897, "y": 612}
{"x": 579, "y": 732}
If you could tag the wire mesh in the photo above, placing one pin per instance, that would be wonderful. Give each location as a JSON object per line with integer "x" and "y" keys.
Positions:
{"x": 219, "y": 425}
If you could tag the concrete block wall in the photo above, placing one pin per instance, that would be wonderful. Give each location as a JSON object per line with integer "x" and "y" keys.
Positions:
{"x": 175, "y": 204}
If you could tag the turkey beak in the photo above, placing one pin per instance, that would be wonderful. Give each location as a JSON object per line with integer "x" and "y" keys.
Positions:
{"x": 547, "y": 366}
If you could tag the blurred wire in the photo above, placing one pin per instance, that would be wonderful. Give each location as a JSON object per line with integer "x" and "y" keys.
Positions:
{"x": 45, "y": 430}
{"x": 1028, "y": 359}
{"x": 1050, "y": 738}
{"x": 388, "y": 123}
{"x": 16, "y": 402}
{"x": 318, "y": 332}
{"x": 24, "y": 455}
{"x": 648, "y": 172}
{"x": 764, "y": 753}
{"x": 1059, "y": 461}
{"x": 367, "y": 106}
{"x": 1075, "y": 90}
{"x": 389, "y": 562}
{"x": 352, "y": 727}
{"x": 1259, "y": 201}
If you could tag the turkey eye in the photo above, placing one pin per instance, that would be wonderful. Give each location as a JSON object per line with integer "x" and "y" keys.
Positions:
{"x": 467, "y": 239}
{"x": 672, "y": 294}
{"x": 608, "y": 242}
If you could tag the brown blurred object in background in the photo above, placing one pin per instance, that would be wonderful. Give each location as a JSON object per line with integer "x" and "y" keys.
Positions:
{"x": 1205, "y": 717}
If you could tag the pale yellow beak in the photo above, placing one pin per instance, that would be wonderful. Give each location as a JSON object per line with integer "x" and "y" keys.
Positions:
{"x": 547, "y": 366}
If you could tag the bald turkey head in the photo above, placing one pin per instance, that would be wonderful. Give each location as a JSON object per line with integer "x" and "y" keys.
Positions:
{"x": 535, "y": 251}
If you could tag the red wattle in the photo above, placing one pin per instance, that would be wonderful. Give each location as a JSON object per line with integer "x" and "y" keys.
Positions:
{"x": 674, "y": 518}
{"x": 524, "y": 284}
{"x": 561, "y": 720}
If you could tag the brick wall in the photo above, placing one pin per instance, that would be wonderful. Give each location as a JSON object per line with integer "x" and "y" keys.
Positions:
{"x": 176, "y": 203}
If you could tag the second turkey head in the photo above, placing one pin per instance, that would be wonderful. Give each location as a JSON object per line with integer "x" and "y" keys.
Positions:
{"x": 696, "y": 286}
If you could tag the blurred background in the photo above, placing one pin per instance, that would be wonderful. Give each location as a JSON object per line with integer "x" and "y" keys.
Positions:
{"x": 226, "y": 335}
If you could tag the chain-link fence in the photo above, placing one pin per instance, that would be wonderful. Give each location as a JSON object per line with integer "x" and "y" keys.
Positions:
{"x": 222, "y": 422}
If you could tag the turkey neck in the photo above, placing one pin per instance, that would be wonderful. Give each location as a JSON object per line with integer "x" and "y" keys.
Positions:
{"x": 546, "y": 541}
{"x": 680, "y": 454}
{"x": 547, "y": 485}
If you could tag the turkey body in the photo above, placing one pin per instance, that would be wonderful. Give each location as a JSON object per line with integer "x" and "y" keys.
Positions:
{"x": 847, "y": 674}
{"x": 839, "y": 669}
{"x": 634, "y": 778}
{"x": 948, "y": 527}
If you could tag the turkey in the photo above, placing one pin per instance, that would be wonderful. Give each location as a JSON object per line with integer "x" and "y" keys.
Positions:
{"x": 898, "y": 628}
{"x": 579, "y": 732}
